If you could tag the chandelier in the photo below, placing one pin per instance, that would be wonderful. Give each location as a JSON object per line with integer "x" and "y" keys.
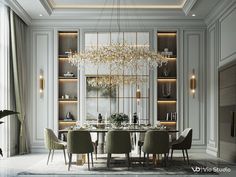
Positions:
{"x": 119, "y": 57}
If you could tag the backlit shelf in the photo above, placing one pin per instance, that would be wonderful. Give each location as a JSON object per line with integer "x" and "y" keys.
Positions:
{"x": 67, "y": 121}
{"x": 68, "y": 79}
{"x": 68, "y": 101}
{"x": 166, "y": 79}
{"x": 63, "y": 59}
{"x": 171, "y": 101}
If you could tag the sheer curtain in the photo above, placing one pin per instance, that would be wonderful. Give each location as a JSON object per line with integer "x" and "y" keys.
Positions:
{"x": 5, "y": 134}
{"x": 18, "y": 30}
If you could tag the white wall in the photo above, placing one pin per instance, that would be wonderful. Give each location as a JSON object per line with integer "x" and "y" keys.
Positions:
{"x": 221, "y": 51}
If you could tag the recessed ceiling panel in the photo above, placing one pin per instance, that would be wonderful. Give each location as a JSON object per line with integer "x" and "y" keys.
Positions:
{"x": 111, "y": 3}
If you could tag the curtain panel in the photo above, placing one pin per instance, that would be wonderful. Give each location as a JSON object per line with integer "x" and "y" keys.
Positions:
{"x": 18, "y": 30}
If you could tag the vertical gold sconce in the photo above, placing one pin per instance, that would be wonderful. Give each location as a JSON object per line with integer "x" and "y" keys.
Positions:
{"x": 138, "y": 95}
{"x": 193, "y": 83}
{"x": 41, "y": 82}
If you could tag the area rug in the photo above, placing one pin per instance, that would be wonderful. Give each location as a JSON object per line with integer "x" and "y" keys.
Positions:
{"x": 118, "y": 166}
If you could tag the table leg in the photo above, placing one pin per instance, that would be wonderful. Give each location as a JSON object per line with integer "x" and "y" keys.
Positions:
{"x": 101, "y": 140}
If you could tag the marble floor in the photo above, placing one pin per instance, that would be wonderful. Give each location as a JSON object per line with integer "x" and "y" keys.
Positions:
{"x": 12, "y": 166}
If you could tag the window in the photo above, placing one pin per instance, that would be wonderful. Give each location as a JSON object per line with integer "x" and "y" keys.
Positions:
{"x": 120, "y": 98}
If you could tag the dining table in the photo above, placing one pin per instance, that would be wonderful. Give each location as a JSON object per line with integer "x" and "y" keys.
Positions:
{"x": 101, "y": 129}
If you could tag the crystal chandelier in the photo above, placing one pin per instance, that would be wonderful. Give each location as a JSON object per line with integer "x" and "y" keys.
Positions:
{"x": 119, "y": 57}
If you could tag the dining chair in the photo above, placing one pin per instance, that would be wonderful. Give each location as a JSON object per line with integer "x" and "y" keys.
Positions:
{"x": 79, "y": 142}
{"x": 156, "y": 142}
{"x": 183, "y": 143}
{"x": 118, "y": 142}
{"x": 52, "y": 143}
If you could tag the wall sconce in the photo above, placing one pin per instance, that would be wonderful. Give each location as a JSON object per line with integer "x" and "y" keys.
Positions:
{"x": 138, "y": 95}
{"x": 41, "y": 82}
{"x": 193, "y": 83}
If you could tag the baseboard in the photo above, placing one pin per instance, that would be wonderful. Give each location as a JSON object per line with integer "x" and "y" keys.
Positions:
{"x": 38, "y": 149}
{"x": 212, "y": 151}
{"x": 197, "y": 149}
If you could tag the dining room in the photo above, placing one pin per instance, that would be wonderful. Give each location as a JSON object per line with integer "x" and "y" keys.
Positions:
{"x": 117, "y": 87}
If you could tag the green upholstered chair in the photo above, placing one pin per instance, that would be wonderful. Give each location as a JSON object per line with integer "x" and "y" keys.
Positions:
{"x": 184, "y": 142}
{"x": 53, "y": 143}
{"x": 79, "y": 142}
{"x": 156, "y": 142}
{"x": 118, "y": 142}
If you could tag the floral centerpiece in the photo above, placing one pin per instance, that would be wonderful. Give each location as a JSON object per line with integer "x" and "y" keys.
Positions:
{"x": 118, "y": 118}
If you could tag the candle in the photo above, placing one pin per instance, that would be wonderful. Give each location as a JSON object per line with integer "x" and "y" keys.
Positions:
{"x": 106, "y": 118}
{"x": 139, "y": 118}
{"x": 130, "y": 118}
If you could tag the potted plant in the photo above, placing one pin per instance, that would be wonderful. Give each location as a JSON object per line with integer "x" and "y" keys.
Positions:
{"x": 4, "y": 113}
{"x": 117, "y": 119}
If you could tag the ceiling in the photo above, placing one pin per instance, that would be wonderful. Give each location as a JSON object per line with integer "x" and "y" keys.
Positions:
{"x": 94, "y": 9}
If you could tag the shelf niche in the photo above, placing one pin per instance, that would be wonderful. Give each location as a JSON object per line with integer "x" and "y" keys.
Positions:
{"x": 167, "y": 79}
{"x": 67, "y": 41}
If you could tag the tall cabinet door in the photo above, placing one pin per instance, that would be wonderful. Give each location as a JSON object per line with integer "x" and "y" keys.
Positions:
{"x": 227, "y": 114}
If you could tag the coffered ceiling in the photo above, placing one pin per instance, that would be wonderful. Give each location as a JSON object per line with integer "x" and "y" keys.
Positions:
{"x": 103, "y": 9}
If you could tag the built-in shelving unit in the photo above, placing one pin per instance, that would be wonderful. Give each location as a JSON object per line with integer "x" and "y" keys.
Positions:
{"x": 67, "y": 80}
{"x": 167, "y": 80}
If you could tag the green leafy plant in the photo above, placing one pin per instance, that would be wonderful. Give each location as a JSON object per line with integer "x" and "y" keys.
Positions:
{"x": 118, "y": 118}
{"x": 4, "y": 113}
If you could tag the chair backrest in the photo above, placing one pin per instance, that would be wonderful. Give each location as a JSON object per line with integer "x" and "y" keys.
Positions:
{"x": 118, "y": 141}
{"x": 79, "y": 141}
{"x": 156, "y": 142}
{"x": 49, "y": 138}
{"x": 186, "y": 138}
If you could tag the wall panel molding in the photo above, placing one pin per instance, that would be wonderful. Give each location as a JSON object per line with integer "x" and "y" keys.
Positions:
{"x": 212, "y": 90}
{"x": 227, "y": 37}
{"x": 194, "y": 108}
{"x": 42, "y": 55}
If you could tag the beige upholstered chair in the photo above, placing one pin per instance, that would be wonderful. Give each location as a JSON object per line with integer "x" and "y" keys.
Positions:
{"x": 118, "y": 142}
{"x": 79, "y": 142}
{"x": 53, "y": 143}
{"x": 156, "y": 142}
{"x": 184, "y": 142}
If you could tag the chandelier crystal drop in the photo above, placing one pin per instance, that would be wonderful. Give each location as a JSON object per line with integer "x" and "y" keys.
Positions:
{"x": 119, "y": 57}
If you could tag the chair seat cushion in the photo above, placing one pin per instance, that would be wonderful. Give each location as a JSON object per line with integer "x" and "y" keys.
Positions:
{"x": 59, "y": 145}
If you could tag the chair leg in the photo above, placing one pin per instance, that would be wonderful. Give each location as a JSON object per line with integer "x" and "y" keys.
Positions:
{"x": 144, "y": 158}
{"x": 92, "y": 158}
{"x": 172, "y": 153}
{"x": 70, "y": 158}
{"x": 49, "y": 156}
{"x": 140, "y": 148}
{"x": 128, "y": 159}
{"x": 183, "y": 154}
{"x": 52, "y": 155}
{"x": 95, "y": 147}
{"x": 165, "y": 156}
{"x": 64, "y": 155}
{"x": 147, "y": 160}
{"x": 108, "y": 159}
{"x": 187, "y": 155}
{"x": 88, "y": 161}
